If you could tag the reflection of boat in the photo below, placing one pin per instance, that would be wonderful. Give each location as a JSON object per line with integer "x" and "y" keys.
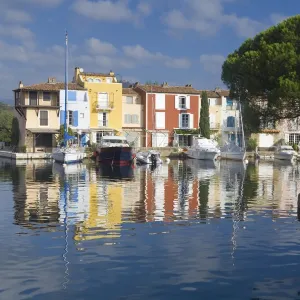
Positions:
{"x": 116, "y": 172}
{"x": 68, "y": 169}
{"x": 203, "y": 168}
{"x": 203, "y": 149}
{"x": 149, "y": 157}
{"x": 285, "y": 152}
{"x": 114, "y": 150}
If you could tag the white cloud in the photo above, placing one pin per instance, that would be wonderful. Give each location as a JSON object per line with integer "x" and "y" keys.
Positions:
{"x": 143, "y": 55}
{"x": 17, "y": 16}
{"x": 49, "y": 3}
{"x": 104, "y": 10}
{"x": 96, "y": 46}
{"x": 277, "y": 18}
{"x": 207, "y": 17}
{"x": 17, "y": 32}
{"x": 212, "y": 63}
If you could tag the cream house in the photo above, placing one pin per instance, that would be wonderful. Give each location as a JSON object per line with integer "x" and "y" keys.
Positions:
{"x": 133, "y": 117}
{"x": 37, "y": 108}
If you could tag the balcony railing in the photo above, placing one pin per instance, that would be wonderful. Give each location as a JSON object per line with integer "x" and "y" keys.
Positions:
{"x": 35, "y": 103}
{"x": 105, "y": 105}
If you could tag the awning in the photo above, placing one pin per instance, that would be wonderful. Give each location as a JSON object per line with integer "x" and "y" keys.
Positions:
{"x": 43, "y": 130}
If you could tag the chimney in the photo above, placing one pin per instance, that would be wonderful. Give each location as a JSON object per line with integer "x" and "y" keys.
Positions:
{"x": 136, "y": 84}
{"x": 188, "y": 85}
{"x": 165, "y": 84}
{"x": 21, "y": 84}
{"x": 51, "y": 80}
{"x": 111, "y": 73}
{"x": 76, "y": 74}
{"x": 217, "y": 90}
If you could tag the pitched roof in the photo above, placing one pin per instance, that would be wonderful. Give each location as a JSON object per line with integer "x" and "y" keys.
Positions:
{"x": 167, "y": 89}
{"x": 50, "y": 87}
{"x": 129, "y": 91}
{"x": 216, "y": 93}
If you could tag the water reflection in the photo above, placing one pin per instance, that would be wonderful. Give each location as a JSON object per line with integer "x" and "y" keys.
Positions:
{"x": 152, "y": 221}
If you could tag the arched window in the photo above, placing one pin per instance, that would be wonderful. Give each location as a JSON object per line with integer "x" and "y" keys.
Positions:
{"x": 90, "y": 80}
{"x": 97, "y": 80}
{"x": 230, "y": 122}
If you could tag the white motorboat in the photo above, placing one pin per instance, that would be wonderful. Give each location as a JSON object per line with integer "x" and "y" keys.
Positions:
{"x": 149, "y": 157}
{"x": 233, "y": 152}
{"x": 203, "y": 149}
{"x": 285, "y": 152}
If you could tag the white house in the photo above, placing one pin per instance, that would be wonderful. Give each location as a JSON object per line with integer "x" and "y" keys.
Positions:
{"x": 78, "y": 117}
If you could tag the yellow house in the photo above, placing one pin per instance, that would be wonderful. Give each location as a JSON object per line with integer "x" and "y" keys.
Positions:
{"x": 105, "y": 94}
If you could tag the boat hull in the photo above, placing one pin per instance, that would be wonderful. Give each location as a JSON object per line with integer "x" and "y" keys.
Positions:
{"x": 121, "y": 156}
{"x": 233, "y": 155}
{"x": 284, "y": 156}
{"x": 202, "y": 155}
{"x": 65, "y": 157}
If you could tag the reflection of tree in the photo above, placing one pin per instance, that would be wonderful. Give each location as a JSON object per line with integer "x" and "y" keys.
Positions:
{"x": 203, "y": 198}
{"x": 250, "y": 186}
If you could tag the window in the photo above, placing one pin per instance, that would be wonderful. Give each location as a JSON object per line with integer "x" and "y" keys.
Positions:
{"x": 81, "y": 115}
{"x": 109, "y": 80}
{"x": 98, "y": 137}
{"x": 160, "y": 101}
{"x": 230, "y": 121}
{"x": 97, "y": 80}
{"x": 71, "y": 95}
{"x": 183, "y": 140}
{"x": 70, "y": 117}
{"x": 103, "y": 100}
{"x": 185, "y": 120}
{"x": 129, "y": 99}
{"x": 131, "y": 119}
{"x": 229, "y": 102}
{"x": 182, "y": 102}
{"x": 160, "y": 120}
{"x": 46, "y": 96}
{"x": 102, "y": 119}
{"x": 212, "y": 102}
{"x": 43, "y": 118}
{"x": 90, "y": 80}
{"x": 294, "y": 138}
{"x": 33, "y": 98}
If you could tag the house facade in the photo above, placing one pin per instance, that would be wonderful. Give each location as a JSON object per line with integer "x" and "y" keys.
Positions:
{"x": 37, "y": 108}
{"x": 171, "y": 114}
{"x": 78, "y": 113}
{"x": 105, "y": 102}
{"x": 133, "y": 117}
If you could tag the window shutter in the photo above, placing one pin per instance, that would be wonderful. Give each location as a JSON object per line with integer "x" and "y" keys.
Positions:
{"x": 100, "y": 119}
{"x": 107, "y": 119}
{"x": 176, "y": 101}
{"x": 62, "y": 117}
{"x": 75, "y": 118}
{"x": 286, "y": 137}
{"x": 160, "y": 120}
{"x": 188, "y": 102}
{"x": 160, "y": 101}
{"x": 71, "y": 95}
{"x": 191, "y": 120}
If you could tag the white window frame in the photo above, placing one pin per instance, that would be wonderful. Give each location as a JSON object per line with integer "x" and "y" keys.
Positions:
{"x": 188, "y": 121}
{"x": 106, "y": 117}
{"x": 185, "y": 104}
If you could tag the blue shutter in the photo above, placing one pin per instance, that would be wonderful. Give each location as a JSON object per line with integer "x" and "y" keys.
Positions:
{"x": 230, "y": 122}
{"x": 62, "y": 117}
{"x": 75, "y": 118}
{"x": 229, "y": 101}
{"x": 71, "y": 95}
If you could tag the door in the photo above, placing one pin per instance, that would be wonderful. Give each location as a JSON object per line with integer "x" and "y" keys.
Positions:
{"x": 160, "y": 139}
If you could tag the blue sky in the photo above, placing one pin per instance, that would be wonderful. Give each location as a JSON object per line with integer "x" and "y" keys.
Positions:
{"x": 177, "y": 41}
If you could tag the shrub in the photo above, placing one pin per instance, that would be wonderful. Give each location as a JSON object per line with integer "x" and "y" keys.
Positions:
{"x": 252, "y": 144}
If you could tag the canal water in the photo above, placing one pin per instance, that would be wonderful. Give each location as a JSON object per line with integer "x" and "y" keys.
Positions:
{"x": 184, "y": 230}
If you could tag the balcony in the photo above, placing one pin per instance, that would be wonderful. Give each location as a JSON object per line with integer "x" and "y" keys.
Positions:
{"x": 215, "y": 126}
{"x": 104, "y": 105}
{"x": 35, "y": 103}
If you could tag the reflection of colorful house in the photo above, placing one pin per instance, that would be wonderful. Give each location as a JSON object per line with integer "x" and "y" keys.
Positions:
{"x": 105, "y": 99}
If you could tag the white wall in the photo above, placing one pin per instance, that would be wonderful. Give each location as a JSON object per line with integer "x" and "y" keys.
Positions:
{"x": 81, "y": 105}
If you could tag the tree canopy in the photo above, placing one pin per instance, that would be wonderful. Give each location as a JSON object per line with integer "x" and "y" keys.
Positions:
{"x": 265, "y": 73}
{"x": 6, "y": 118}
{"x": 204, "y": 116}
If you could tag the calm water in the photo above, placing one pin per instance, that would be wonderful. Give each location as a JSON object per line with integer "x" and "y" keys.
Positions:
{"x": 187, "y": 230}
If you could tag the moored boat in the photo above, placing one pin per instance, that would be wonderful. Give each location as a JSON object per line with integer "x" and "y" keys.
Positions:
{"x": 285, "y": 152}
{"x": 114, "y": 150}
{"x": 149, "y": 157}
{"x": 203, "y": 149}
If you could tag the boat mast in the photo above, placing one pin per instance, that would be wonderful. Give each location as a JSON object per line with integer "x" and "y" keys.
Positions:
{"x": 66, "y": 91}
{"x": 242, "y": 126}
{"x": 235, "y": 131}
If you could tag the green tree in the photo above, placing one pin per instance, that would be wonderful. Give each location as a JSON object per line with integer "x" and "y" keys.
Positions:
{"x": 265, "y": 74}
{"x": 204, "y": 116}
{"x": 6, "y": 118}
{"x": 15, "y": 132}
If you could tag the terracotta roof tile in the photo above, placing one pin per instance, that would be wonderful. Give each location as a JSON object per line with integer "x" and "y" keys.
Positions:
{"x": 50, "y": 87}
{"x": 129, "y": 91}
{"x": 167, "y": 89}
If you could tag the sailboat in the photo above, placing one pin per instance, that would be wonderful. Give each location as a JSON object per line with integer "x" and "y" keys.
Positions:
{"x": 67, "y": 154}
{"x": 233, "y": 150}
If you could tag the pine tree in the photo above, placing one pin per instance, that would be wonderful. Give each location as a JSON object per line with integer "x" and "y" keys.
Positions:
{"x": 204, "y": 116}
